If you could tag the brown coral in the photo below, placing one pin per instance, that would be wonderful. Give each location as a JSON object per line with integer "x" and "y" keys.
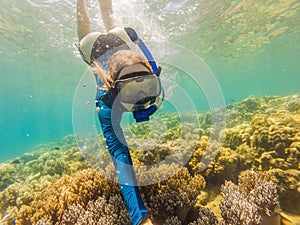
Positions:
{"x": 288, "y": 182}
{"x": 81, "y": 187}
{"x": 110, "y": 210}
{"x": 174, "y": 196}
{"x": 246, "y": 203}
{"x": 204, "y": 217}
{"x": 227, "y": 165}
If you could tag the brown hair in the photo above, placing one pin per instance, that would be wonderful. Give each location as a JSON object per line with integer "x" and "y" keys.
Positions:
{"x": 116, "y": 63}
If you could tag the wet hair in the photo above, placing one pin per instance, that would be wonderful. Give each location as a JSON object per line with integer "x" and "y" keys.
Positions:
{"x": 116, "y": 63}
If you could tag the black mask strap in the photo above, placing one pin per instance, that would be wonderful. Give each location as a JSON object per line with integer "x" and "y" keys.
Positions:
{"x": 82, "y": 55}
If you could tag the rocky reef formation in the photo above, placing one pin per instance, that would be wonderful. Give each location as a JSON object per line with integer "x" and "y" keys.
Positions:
{"x": 255, "y": 166}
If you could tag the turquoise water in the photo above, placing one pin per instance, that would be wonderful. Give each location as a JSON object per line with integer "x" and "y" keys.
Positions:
{"x": 251, "y": 46}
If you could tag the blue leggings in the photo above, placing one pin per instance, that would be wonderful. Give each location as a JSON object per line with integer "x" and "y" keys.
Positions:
{"x": 123, "y": 164}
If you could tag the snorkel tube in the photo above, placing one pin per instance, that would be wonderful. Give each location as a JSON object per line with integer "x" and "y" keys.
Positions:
{"x": 139, "y": 42}
{"x": 142, "y": 113}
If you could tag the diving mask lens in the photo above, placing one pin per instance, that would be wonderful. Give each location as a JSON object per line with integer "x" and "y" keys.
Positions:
{"x": 138, "y": 90}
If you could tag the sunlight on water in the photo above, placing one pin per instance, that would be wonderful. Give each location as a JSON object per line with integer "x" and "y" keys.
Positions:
{"x": 228, "y": 28}
{"x": 235, "y": 28}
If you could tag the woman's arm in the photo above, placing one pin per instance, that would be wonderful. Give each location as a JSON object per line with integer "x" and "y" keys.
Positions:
{"x": 109, "y": 20}
{"x": 83, "y": 22}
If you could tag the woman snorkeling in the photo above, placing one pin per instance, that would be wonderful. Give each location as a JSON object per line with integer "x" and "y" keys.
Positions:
{"x": 127, "y": 80}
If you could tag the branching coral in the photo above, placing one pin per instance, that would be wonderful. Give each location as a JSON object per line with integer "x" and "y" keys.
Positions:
{"x": 173, "y": 196}
{"x": 205, "y": 217}
{"x": 104, "y": 210}
{"x": 87, "y": 197}
{"x": 81, "y": 188}
{"x": 246, "y": 203}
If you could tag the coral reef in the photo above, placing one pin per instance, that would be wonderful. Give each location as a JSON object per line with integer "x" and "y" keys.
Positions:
{"x": 269, "y": 141}
{"x": 254, "y": 197}
{"x": 88, "y": 196}
{"x": 54, "y": 184}
{"x": 197, "y": 216}
{"x": 26, "y": 177}
{"x": 288, "y": 183}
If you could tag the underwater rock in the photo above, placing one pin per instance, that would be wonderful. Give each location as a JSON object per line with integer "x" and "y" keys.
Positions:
{"x": 254, "y": 197}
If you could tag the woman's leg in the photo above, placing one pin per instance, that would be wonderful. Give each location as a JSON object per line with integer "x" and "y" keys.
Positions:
{"x": 83, "y": 22}
{"x": 109, "y": 20}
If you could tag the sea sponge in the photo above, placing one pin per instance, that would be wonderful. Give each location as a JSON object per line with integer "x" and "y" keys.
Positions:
{"x": 255, "y": 196}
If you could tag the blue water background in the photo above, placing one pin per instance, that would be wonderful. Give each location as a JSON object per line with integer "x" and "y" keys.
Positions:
{"x": 40, "y": 67}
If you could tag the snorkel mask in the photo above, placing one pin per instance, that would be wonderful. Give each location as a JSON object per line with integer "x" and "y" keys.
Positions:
{"x": 139, "y": 92}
